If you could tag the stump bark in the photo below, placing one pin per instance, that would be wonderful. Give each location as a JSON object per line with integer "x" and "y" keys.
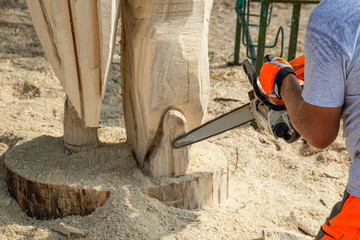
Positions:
{"x": 49, "y": 201}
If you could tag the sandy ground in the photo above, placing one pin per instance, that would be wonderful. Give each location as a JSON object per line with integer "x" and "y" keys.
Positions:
{"x": 272, "y": 184}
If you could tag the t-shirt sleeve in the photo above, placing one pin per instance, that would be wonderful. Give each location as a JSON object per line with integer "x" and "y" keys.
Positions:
{"x": 324, "y": 65}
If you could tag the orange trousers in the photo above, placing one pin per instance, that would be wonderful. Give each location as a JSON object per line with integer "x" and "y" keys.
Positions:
{"x": 344, "y": 220}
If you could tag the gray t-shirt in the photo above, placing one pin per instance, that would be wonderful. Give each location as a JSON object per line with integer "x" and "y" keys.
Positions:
{"x": 332, "y": 70}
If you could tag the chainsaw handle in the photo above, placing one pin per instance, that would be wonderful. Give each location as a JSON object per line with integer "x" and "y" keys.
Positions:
{"x": 268, "y": 58}
{"x": 250, "y": 72}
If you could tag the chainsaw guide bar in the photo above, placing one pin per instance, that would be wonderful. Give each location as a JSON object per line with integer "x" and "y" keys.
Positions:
{"x": 267, "y": 114}
{"x": 223, "y": 123}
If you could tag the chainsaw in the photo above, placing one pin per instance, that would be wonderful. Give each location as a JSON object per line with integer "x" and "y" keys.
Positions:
{"x": 267, "y": 115}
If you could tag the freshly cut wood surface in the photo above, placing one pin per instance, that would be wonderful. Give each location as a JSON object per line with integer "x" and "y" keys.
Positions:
{"x": 108, "y": 15}
{"x": 48, "y": 182}
{"x": 164, "y": 65}
{"x": 78, "y": 38}
{"x": 51, "y": 20}
{"x": 164, "y": 160}
{"x": 203, "y": 189}
{"x": 86, "y": 38}
{"x": 77, "y": 136}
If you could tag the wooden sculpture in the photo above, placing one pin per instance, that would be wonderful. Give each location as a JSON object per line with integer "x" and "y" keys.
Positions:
{"x": 164, "y": 69}
{"x": 165, "y": 88}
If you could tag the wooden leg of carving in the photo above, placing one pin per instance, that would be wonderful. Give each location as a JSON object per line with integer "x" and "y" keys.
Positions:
{"x": 164, "y": 65}
{"x": 76, "y": 134}
{"x": 162, "y": 159}
{"x": 78, "y": 38}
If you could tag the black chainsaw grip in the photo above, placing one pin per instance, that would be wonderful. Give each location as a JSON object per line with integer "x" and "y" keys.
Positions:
{"x": 268, "y": 58}
{"x": 250, "y": 72}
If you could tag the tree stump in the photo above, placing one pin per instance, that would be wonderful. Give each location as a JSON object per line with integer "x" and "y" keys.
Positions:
{"x": 49, "y": 183}
{"x": 31, "y": 168}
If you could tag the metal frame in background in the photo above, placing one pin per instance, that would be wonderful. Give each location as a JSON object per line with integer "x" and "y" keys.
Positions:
{"x": 242, "y": 26}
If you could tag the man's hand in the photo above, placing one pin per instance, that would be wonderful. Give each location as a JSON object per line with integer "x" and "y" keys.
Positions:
{"x": 318, "y": 125}
{"x": 272, "y": 75}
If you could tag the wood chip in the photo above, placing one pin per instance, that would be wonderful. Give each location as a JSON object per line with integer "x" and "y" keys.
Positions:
{"x": 277, "y": 145}
{"x": 68, "y": 230}
{"x": 282, "y": 234}
{"x": 309, "y": 228}
{"x": 334, "y": 175}
{"x": 237, "y": 159}
{"x": 8, "y": 202}
{"x": 293, "y": 219}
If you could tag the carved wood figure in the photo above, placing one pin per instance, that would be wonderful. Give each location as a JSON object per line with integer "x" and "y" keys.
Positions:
{"x": 165, "y": 78}
{"x": 164, "y": 69}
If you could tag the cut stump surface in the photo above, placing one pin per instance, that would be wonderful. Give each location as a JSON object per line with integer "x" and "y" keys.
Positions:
{"x": 48, "y": 182}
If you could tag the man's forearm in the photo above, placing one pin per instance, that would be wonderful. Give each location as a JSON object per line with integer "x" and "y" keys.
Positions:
{"x": 318, "y": 125}
{"x": 291, "y": 95}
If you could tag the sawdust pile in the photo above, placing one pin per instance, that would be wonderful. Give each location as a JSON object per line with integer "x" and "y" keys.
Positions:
{"x": 272, "y": 184}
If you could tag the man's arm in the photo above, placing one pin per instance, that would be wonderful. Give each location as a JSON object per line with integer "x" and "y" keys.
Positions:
{"x": 318, "y": 125}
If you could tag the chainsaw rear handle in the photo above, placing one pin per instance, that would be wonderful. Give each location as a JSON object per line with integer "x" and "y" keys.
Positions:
{"x": 250, "y": 72}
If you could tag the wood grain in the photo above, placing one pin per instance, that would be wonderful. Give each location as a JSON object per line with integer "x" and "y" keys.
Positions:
{"x": 164, "y": 65}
